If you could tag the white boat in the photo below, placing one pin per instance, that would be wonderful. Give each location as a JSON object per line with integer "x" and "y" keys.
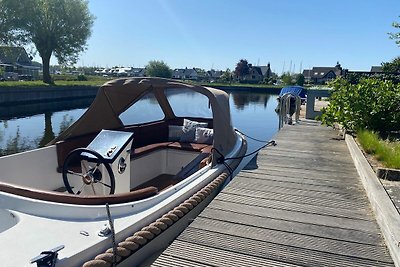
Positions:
{"x": 107, "y": 190}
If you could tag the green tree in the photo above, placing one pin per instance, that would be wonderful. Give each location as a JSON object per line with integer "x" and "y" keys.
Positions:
{"x": 226, "y": 76}
{"x": 201, "y": 74}
{"x": 370, "y": 104}
{"x": 55, "y": 27}
{"x": 396, "y": 35}
{"x": 300, "y": 79}
{"x": 287, "y": 79}
{"x": 242, "y": 68}
{"x": 392, "y": 66}
{"x": 157, "y": 68}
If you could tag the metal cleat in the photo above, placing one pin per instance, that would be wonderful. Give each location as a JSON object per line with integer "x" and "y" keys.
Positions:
{"x": 47, "y": 258}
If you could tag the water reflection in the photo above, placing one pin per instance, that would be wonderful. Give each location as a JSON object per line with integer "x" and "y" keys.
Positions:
{"x": 48, "y": 134}
{"x": 11, "y": 112}
{"x": 244, "y": 99}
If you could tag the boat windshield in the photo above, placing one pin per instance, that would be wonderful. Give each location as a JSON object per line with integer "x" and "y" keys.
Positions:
{"x": 188, "y": 103}
{"x": 146, "y": 109}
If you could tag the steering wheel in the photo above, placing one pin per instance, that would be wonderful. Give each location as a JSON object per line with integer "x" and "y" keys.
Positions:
{"x": 88, "y": 173}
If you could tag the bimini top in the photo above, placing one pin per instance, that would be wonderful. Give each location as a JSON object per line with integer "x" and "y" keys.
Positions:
{"x": 294, "y": 90}
{"x": 116, "y": 96}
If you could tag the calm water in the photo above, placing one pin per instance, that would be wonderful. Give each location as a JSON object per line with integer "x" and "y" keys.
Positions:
{"x": 30, "y": 126}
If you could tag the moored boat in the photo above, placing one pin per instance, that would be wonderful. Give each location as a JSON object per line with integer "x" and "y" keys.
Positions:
{"x": 115, "y": 187}
{"x": 290, "y": 99}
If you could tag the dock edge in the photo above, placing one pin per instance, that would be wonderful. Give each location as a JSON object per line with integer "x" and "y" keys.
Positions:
{"x": 386, "y": 214}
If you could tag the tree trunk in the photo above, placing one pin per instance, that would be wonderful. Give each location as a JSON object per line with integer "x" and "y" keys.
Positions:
{"x": 46, "y": 69}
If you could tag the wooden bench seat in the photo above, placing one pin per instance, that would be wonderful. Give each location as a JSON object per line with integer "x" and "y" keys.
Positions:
{"x": 140, "y": 151}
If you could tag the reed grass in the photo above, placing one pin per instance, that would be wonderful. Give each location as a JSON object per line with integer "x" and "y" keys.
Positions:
{"x": 385, "y": 151}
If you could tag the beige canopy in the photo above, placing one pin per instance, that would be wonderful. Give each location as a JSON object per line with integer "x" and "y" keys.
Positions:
{"x": 114, "y": 97}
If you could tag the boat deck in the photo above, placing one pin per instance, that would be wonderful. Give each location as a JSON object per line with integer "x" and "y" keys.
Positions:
{"x": 304, "y": 205}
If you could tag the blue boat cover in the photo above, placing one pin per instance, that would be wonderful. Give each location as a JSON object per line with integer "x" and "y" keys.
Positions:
{"x": 294, "y": 90}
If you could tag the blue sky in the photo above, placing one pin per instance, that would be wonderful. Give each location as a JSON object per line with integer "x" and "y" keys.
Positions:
{"x": 217, "y": 34}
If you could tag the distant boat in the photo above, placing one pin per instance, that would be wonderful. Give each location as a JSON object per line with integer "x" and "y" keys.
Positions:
{"x": 289, "y": 101}
{"x": 294, "y": 90}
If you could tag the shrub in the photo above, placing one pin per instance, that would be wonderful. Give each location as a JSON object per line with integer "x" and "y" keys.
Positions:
{"x": 371, "y": 104}
{"x": 386, "y": 152}
{"x": 368, "y": 140}
{"x": 81, "y": 77}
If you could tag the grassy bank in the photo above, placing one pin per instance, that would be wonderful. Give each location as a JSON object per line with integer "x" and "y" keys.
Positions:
{"x": 58, "y": 81}
{"x": 385, "y": 151}
{"x": 68, "y": 80}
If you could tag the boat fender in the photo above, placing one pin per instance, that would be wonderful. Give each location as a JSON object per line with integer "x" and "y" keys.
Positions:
{"x": 154, "y": 230}
{"x": 178, "y": 212}
{"x": 165, "y": 220}
{"x": 172, "y": 216}
{"x": 99, "y": 263}
{"x": 146, "y": 234}
{"x": 107, "y": 257}
{"x": 123, "y": 252}
{"x": 188, "y": 205}
{"x": 183, "y": 209}
{"x": 137, "y": 239}
{"x": 159, "y": 225}
{"x": 132, "y": 246}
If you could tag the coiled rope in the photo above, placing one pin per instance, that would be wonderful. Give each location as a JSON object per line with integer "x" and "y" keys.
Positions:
{"x": 131, "y": 244}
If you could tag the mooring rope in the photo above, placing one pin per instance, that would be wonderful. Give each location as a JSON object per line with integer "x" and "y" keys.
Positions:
{"x": 132, "y": 243}
{"x": 110, "y": 222}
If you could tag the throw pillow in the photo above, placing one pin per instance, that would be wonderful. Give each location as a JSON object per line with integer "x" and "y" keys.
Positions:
{"x": 189, "y": 130}
{"x": 204, "y": 136}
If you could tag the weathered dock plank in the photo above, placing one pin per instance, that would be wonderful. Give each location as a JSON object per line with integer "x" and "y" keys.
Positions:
{"x": 304, "y": 205}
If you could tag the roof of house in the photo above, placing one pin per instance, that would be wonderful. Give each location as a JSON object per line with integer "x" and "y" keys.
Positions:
{"x": 376, "y": 69}
{"x": 257, "y": 70}
{"x": 320, "y": 72}
{"x": 215, "y": 73}
{"x": 265, "y": 69}
{"x": 184, "y": 72}
{"x": 13, "y": 55}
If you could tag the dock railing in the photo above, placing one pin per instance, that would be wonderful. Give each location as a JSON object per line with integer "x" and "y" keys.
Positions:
{"x": 289, "y": 103}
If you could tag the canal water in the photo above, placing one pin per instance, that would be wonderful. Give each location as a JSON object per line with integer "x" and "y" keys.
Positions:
{"x": 30, "y": 126}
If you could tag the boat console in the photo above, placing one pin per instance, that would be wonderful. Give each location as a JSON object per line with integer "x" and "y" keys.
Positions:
{"x": 104, "y": 165}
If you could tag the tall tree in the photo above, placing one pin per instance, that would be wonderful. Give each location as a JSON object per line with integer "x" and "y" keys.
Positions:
{"x": 56, "y": 27}
{"x": 157, "y": 68}
{"x": 226, "y": 76}
{"x": 396, "y": 35}
{"x": 242, "y": 68}
{"x": 288, "y": 79}
{"x": 392, "y": 66}
{"x": 300, "y": 79}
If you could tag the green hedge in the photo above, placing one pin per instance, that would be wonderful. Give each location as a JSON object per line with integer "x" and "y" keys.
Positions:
{"x": 371, "y": 104}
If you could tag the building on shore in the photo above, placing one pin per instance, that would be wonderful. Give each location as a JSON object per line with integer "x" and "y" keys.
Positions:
{"x": 17, "y": 64}
{"x": 322, "y": 75}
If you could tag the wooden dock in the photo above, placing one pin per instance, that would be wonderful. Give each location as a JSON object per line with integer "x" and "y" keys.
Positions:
{"x": 303, "y": 206}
